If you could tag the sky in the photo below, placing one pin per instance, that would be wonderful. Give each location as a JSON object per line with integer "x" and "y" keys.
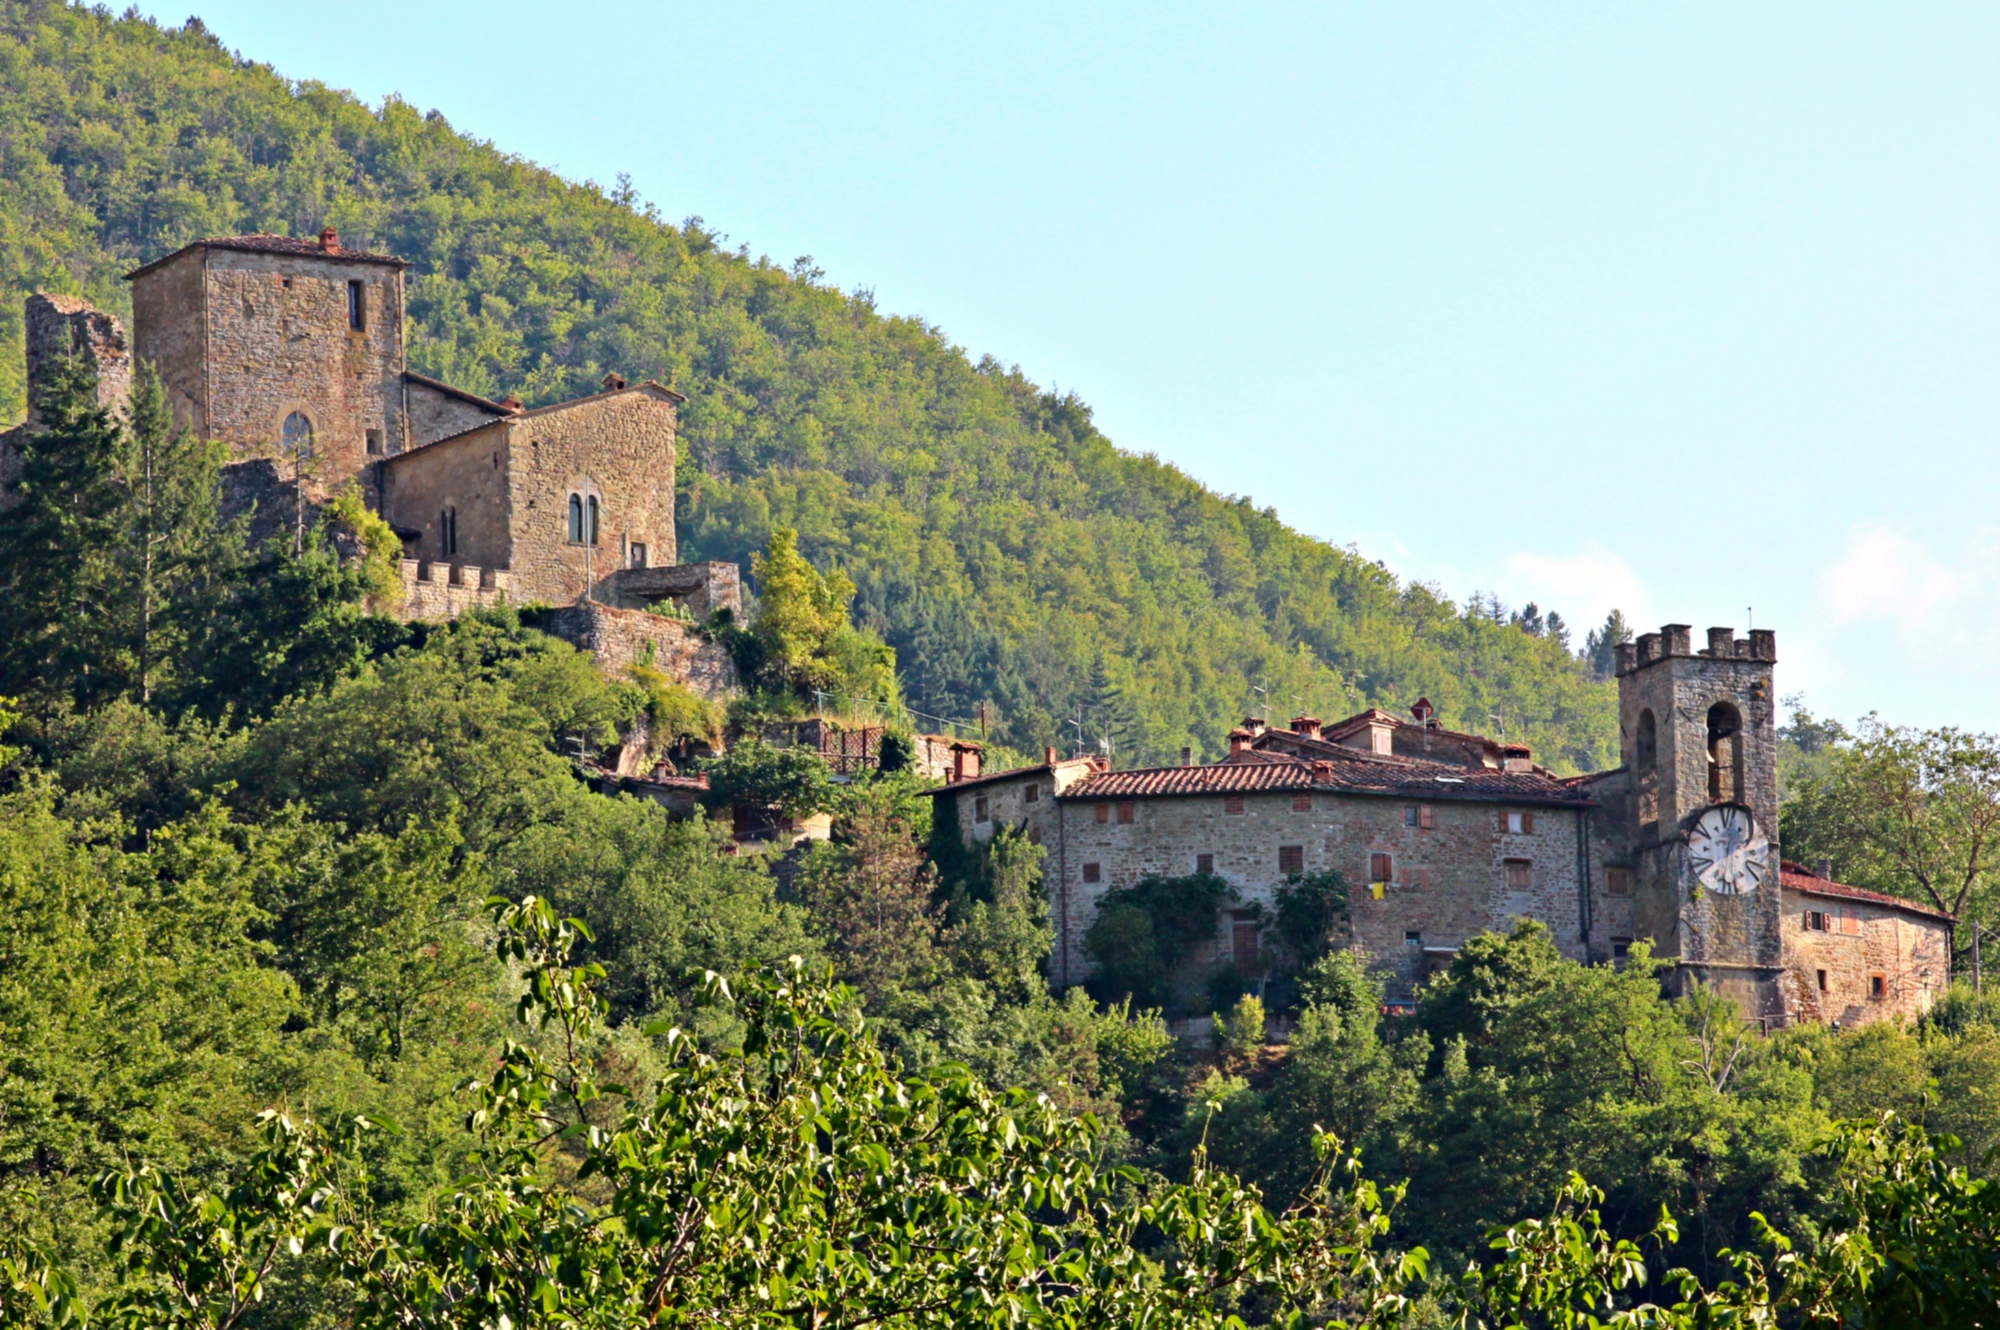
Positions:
{"x": 1692, "y": 310}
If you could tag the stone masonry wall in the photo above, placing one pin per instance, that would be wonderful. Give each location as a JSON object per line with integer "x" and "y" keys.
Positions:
{"x": 468, "y": 474}
{"x": 618, "y": 446}
{"x": 1911, "y": 954}
{"x": 269, "y": 336}
{"x": 437, "y": 415}
{"x": 56, "y": 326}
{"x": 623, "y": 638}
{"x": 439, "y": 590}
{"x": 1449, "y": 882}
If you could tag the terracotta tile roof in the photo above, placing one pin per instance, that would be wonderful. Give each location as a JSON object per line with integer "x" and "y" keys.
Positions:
{"x": 293, "y": 246}
{"x": 953, "y": 787}
{"x": 1360, "y": 773}
{"x": 1796, "y": 878}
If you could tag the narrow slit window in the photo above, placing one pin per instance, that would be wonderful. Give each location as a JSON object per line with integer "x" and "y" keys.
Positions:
{"x": 448, "y": 531}
{"x": 357, "y": 307}
{"x": 576, "y": 519}
{"x": 590, "y": 520}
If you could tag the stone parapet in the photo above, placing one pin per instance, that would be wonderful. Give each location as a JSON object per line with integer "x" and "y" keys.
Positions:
{"x": 622, "y": 638}
{"x": 436, "y": 590}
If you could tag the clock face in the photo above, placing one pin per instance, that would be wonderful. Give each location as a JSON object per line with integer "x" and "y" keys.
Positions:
{"x": 1727, "y": 854}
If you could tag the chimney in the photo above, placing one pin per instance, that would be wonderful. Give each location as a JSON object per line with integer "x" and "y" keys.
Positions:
{"x": 1824, "y": 868}
{"x": 510, "y": 404}
{"x": 1049, "y": 755}
{"x": 613, "y": 381}
{"x": 1187, "y": 756}
{"x": 1306, "y": 725}
{"x": 329, "y": 241}
{"x": 1254, "y": 724}
{"x": 1239, "y": 740}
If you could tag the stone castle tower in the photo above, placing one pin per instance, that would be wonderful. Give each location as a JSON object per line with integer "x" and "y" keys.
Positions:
{"x": 1698, "y": 729}
{"x": 289, "y": 350}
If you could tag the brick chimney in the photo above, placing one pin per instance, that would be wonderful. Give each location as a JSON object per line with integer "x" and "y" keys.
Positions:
{"x": 613, "y": 381}
{"x": 1254, "y": 724}
{"x": 1187, "y": 756}
{"x": 1049, "y": 755}
{"x": 510, "y": 404}
{"x": 1239, "y": 740}
{"x": 1306, "y": 725}
{"x": 329, "y": 240}
{"x": 1824, "y": 868}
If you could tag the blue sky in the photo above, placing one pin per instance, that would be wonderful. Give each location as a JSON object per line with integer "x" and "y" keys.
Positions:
{"x": 1687, "y": 309}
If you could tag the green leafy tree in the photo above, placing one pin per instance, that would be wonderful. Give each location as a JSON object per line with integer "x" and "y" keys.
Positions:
{"x": 1907, "y": 811}
{"x": 59, "y": 639}
{"x": 808, "y": 644}
{"x": 1600, "y": 645}
{"x": 1143, "y": 933}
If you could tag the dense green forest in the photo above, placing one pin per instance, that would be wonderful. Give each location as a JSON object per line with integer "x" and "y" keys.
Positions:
{"x": 1003, "y": 546}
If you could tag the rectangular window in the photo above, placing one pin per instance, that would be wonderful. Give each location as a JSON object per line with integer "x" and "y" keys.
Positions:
{"x": 1103, "y": 812}
{"x": 1818, "y": 921}
{"x": 1410, "y": 816}
{"x": 1092, "y": 873}
{"x": 1034, "y": 794}
{"x": 1291, "y": 858}
{"x": 1822, "y": 979}
{"x": 1204, "y": 864}
{"x": 1618, "y": 882}
{"x": 1850, "y": 925}
{"x": 979, "y": 809}
{"x": 636, "y": 555}
{"x": 1878, "y": 987}
{"x": 1621, "y": 947}
{"x": 1520, "y": 875}
{"x": 1426, "y": 817}
{"x": 1302, "y": 803}
{"x": 1243, "y": 945}
{"x": 357, "y": 307}
{"x": 1381, "y": 868}
{"x": 1413, "y": 938}
{"x": 1517, "y": 824}
{"x": 1233, "y": 804}
{"x": 1125, "y": 814}
{"x": 374, "y": 437}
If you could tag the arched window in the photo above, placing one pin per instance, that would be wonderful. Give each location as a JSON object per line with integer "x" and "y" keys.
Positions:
{"x": 297, "y": 436}
{"x": 448, "y": 531}
{"x": 1645, "y": 767}
{"x": 590, "y": 520}
{"x": 1725, "y": 754}
{"x": 576, "y": 519}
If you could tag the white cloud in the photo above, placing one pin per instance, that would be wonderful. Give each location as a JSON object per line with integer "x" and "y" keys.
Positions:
{"x": 1583, "y": 587}
{"x": 1944, "y": 610}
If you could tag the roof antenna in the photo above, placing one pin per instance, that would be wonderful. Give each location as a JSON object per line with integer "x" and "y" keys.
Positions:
{"x": 1751, "y": 611}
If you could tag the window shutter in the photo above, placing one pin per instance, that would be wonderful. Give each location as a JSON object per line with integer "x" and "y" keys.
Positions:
{"x": 1527, "y": 822}
{"x": 1426, "y": 818}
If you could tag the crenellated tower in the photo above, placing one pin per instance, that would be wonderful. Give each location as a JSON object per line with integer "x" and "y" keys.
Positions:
{"x": 1698, "y": 730}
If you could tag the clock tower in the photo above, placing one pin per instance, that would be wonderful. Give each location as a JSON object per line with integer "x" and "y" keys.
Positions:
{"x": 1698, "y": 730}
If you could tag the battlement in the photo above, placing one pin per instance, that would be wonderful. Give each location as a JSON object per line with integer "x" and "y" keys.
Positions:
{"x": 433, "y": 589}
{"x": 1677, "y": 640}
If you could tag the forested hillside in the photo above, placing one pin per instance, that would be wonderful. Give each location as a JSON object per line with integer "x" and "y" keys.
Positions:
{"x": 1001, "y": 544}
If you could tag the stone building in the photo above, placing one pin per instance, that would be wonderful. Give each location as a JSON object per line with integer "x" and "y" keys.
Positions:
{"x": 293, "y": 353}
{"x": 1442, "y": 835}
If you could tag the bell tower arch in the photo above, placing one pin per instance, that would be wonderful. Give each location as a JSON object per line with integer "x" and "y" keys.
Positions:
{"x": 1698, "y": 728}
